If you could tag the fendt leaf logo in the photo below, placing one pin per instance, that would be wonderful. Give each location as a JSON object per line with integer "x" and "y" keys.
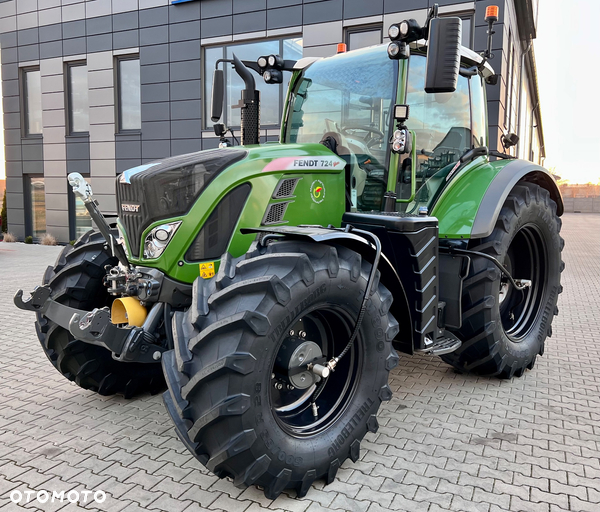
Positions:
{"x": 317, "y": 190}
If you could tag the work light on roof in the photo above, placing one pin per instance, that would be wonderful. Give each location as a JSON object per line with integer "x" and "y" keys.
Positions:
{"x": 394, "y": 31}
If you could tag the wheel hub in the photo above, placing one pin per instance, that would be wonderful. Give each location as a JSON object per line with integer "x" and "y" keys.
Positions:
{"x": 298, "y": 353}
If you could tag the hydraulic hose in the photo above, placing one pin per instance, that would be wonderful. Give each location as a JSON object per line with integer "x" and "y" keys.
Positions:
{"x": 368, "y": 291}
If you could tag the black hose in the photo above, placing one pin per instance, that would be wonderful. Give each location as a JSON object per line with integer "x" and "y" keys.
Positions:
{"x": 368, "y": 290}
{"x": 501, "y": 267}
{"x": 363, "y": 307}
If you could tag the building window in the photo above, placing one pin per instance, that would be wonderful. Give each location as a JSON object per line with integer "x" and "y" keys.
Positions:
{"x": 271, "y": 96}
{"x": 37, "y": 206}
{"x": 80, "y": 221}
{"x": 467, "y": 23}
{"x": 78, "y": 103}
{"x": 129, "y": 97}
{"x": 361, "y": 37}
{"x": 32, "y": 107}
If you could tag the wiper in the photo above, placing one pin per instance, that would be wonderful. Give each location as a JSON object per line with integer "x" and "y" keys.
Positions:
{"x": 468, "y": 156}
{"x": 472, "y": 154}
{"x": 498, "y": 154}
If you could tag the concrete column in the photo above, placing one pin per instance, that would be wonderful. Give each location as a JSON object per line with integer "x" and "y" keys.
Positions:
{"x": 55, "y": 164}
{"x": 102, "y": 128}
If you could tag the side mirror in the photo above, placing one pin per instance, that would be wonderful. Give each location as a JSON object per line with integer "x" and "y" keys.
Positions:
{"x": 443, "y": 55}
{"x": 218, "y": 90}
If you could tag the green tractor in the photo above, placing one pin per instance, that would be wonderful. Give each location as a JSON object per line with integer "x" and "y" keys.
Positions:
{"x": 275, "y": 282}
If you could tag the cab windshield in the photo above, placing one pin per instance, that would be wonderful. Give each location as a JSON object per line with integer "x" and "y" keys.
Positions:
{"x": 346, "y": 102}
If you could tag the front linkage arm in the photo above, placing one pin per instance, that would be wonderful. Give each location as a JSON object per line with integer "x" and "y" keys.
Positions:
{"x": 95, "y": 327}
{"x": 83, "y": 190}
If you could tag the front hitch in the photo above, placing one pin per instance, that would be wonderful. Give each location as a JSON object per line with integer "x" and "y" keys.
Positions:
{"x": 83, "y": 190}
{"x": 130, "y": 344}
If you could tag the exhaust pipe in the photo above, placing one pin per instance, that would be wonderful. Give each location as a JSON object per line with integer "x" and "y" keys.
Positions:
{"x": 250, "y": 111}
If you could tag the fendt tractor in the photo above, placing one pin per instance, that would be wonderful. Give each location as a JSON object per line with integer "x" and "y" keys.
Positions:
{"x": 276, "y": 282}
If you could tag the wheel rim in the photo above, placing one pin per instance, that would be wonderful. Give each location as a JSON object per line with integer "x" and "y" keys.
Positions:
{"x": 330, "y": 328}
{"x": 526, "y": 258}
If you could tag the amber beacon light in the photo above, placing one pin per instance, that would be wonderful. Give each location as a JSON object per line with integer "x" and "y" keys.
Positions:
{"x": 491, "y": 13}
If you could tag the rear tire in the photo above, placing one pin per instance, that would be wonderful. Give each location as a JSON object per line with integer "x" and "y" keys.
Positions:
{"x": 76, "y": 281}
{"x": 504, "y": 330}
{"x": 222, "y": 396}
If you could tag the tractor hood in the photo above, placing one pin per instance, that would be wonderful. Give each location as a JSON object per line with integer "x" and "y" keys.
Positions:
{"x": 167, "y": 188}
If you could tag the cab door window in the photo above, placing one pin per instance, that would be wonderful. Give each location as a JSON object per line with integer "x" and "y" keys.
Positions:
{"x": 442, "y": 125}
{"x": 442, "y": 121}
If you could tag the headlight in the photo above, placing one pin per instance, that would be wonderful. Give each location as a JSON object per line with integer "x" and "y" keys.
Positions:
{"x": 262, "y": 62}
{"x": 394, "y": 31}
{"x": 158, "y": 239}
{"x": 404, "y": 28}
{"x": 271, "y": 60}
{"x": 393, "y": 49}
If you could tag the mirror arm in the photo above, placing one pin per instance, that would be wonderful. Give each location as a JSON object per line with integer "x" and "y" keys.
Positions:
{"x": 288, "y": 65}
{"x": 469, "y": 72}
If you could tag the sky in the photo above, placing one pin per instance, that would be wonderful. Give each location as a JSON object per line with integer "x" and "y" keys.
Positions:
{"x": 566, "y": 49}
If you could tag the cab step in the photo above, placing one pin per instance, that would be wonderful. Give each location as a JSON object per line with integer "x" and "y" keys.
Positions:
{"x": 444, "y": 344}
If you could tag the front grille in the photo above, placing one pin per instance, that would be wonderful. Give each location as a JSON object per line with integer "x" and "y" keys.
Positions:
{"x": 285, "y": 188}
{"x": 132, "y": 221}
{"x": 275, "y": 213}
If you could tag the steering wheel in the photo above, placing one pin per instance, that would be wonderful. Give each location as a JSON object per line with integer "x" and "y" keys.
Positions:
{"x": 365, "y": 128}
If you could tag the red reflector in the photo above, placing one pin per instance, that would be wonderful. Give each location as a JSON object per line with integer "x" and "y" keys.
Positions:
{"x": 341, "y": 48}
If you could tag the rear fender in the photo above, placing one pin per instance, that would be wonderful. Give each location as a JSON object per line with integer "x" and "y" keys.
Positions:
{"x": 496, "y": 194}
{"x": 389, "y": 277}
{"x": 470, "y": 204}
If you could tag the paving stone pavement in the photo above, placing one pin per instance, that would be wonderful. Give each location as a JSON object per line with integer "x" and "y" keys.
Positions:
{"x": 446, "y": 441}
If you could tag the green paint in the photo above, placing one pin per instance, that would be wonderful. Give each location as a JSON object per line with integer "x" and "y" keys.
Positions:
{"x": 301, "y": 210}
{"x": 459, "y": 202}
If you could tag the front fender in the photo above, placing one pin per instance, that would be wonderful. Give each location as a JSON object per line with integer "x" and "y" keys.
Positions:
{"x": 470, "y": 204}
{"x": 389, "y": 277}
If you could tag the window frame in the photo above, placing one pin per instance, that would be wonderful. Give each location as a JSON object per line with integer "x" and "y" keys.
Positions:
{"x": 25, "y": 103}
{"x": 118, "y": 110}
{"x": 357, "y": 29}
{"x": 207, "y": 124}
{"x": 68, "y": 102}
{"x": 509, "y": 82}
{"x": 464, "y": 15}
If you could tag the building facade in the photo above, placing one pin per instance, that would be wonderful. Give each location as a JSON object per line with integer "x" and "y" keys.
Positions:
{"x": 100, "y": 86}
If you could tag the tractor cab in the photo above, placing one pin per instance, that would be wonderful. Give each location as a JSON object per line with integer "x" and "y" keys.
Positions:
{"x": 347, "y": 102}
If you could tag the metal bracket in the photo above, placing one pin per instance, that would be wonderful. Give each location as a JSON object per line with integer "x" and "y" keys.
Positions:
{"x": 94, "y": 327}
{"x": 126, "y": 344}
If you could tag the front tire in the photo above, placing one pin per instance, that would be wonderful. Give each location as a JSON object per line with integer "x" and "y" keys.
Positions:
{"x": 505, "y": 329}
{"x": 76, "y": 281}
{"x": 224, "y": 397}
